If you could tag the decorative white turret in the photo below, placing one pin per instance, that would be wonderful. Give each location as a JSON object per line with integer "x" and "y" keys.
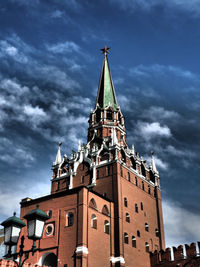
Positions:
{"x": 153, "y": 165}
{"x": 58, "y": 156}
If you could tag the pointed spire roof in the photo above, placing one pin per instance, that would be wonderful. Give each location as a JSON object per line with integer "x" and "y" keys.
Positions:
{"x": 58, "y": 156}
{"x": 106, "y": 93}
{"x": 153, "y": 165}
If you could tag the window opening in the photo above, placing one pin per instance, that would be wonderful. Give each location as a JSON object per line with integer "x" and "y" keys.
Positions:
{"x": 125, "y": 202}
{"x": 69, "y": 219}
{"x": 136, "y": 208}
{"x": 147, "y": 246}
{"x": 133, "y": 242}
{"x": 127, "y": 218}
{"x": 106, "y": 227}
{"x": 125, "y": 238}
{"x": 94, "y": 221}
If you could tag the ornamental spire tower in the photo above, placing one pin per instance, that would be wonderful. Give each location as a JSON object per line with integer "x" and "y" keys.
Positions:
{"x": 106, "y": 96}
{"x": 106, "y": 120}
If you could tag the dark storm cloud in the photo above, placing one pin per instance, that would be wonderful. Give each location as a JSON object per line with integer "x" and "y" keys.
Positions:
{"x": 191, "y": 7}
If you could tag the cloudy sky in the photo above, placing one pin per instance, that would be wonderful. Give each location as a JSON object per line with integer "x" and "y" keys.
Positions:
{"x": 49, "y": 70}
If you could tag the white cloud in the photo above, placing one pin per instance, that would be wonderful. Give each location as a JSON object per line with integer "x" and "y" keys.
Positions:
{"x": 146, "y": 71}
{"x": 159, "y": 113}
{"x": 10, "y": 199}
{"x": 57, "y": 14}
{"x": 181, "y": 225}
{"x": 151, "y": 130}
{"x": 191, "y": 7}
{"x": 14, "y": 153}
{"x": 66, "y": 47}
{"x": 13, "y": 87}
{"x": 8, "y": 49}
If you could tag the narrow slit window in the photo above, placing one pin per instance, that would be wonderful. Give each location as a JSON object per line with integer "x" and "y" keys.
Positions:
{"x": 128, "y": 217}
{"x": 125, "y": 238}
{"x": 138, "y": 233}
{"x": 133, "y": 242}
{"x": 147, "y": 246}
{"x": 136, "y": 208}
{"x": 125, "y": 202}
{"x": 106, "y": 227}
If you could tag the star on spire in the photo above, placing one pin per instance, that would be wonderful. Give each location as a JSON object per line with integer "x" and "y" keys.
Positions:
{"x": 105, "y": 50}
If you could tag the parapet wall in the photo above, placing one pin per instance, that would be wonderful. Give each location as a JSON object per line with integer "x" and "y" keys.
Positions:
{"x": 10, "y": 263}
{"x": 182, "y": 256}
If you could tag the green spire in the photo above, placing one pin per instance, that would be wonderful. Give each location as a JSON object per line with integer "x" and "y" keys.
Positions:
{"x": 106, "y": 92}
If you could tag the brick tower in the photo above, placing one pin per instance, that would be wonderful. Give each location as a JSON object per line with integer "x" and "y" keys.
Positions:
{"x": 105, "y": 202}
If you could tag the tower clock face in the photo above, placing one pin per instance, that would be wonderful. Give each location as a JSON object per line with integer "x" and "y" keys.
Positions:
{"x": 49, "y": 229}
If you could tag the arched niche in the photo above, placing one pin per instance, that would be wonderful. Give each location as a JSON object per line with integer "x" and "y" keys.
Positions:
{"x": 92, "y": 204}
{"x": 48, "y": 259}
{"x": 105, "y": 210}
{"x": 152, "y": 177}
{"x": 143, "y": 171}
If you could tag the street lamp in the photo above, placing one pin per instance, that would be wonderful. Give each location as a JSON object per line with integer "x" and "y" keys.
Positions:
{"x": 12, "y": 227}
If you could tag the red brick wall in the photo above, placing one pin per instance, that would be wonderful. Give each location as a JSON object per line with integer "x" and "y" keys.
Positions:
{"x": 164, "y": 259}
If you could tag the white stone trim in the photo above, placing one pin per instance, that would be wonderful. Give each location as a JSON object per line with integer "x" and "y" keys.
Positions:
{"x": 117, "y": 259}
{"x": 82, "y": 249}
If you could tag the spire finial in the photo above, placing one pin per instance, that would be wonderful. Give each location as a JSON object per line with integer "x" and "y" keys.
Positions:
{"x": 60, "y": 144}
{"x": 105, "y": 50}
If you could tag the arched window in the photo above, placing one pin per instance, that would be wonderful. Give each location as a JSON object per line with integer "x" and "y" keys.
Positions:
{"x": 123, "y": 156}
{"x": 98, "y": 115}
{"x": 82, "y": 178}
{"x": 141, "y": 205}
{"x": 146, "y": 227}
{"x": 152, "y": 177}
{"x": 136, "y": 181}
{"x": 109, "y": 115}
{"x": 94, "y": 221}
{"x": 125, "y": 202}
{"x": 97, "y": 174}
{"x": 142, "y": 185}
{"x": 49, "y": 213}
{"x": 127, "y": 217}
{"x": 136, "y": 208}
{"x": 133, "y": 242}
{"x": 157, "y": 232}
{"x": 105, "y": 210}
{"x": 69, "y": 219}
{"x": 106, "y": 227}
{"x": 133, "y": 163}
{"x": 129, "y": 177}
{"x": 149, "y": 190}
{"x": 138, "y": 233}
{"x": 147, "y": 246}
{"x": 125, "y": 238}
{"x": 93, "y": 204}
{"x": 143, "y": 170}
